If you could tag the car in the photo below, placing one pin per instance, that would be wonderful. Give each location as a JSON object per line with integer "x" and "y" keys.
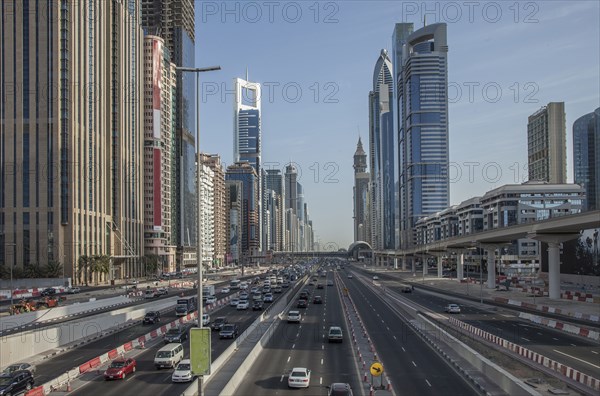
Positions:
{"x": 319, "y": 285}
{"x": 306, "y": 291}
{"x": 225, "y": 290}
{"x": 242, "y": 305}
{"x": 268, "y": 297}
{"x": 339, "y": 389}
{"x": 73, "y": 290}
{"x": 177, "y": 335}
{"x": 18, "y": 367}
{"x": 258, "y": 305}
{"x": 244, "y": 296}
{"x": 303, "y": 296}
{"x": 16, "y": 382}
{"x": 219, "y": 323}
{"x": 161, "y": 291}
{"x": 335, "y": 334}
{"x": 299, "y": 378}
{"x": 230, "y": 330}
{"x": 210, "y": 300}
{"x": 151, "y": 317}
{"x": 317, "y": 300}
{"x": 375, "y": 277}
{"x": 150, "y": 294}
{"x": 234, "y": 302}
{"x": 49, "y": 291}
{"x": 350, "y": 276}
{"x": 120, "y": 368}
{"x": 452, "y": 308}
{"x": 254, "y": 290}
{"x": 205, "y": 319}
{"x": 294, "y": 317}
{"x": 329, "y": 283}
{"x": 183, "y": 372}
{"x": 302, "y": 303}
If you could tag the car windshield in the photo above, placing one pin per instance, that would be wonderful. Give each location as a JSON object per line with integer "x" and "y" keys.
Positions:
{"x": 173, "y": 332}
{"x": 12, "y": 368}
{"x": 117, "y": 364}
{"x": 163, "y": 354}
{"x": 335, "y": 331}
{"x": 220, "y": 320}
{"x": 228, "y": 328}
{"x": 150, "y": 314}
{"x": 5, "y": 380}
{"x": 183, "y": 367}
{"x": 298, "y": 374}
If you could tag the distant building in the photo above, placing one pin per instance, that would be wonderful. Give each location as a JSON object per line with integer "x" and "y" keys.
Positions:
{"x": 361, "y": 192}
{"x": 206, "y": 206}
{"x": 274, "y": 182}
{"x": 159, "y": 141}
{"x": 250, "y": 230}
{"x": 421, "y": 110}
{"x": 213, "y": 161}
{"x": 234, "y": 209}
{"x": 547, "y": 144}
{"x": 586, "y": 157}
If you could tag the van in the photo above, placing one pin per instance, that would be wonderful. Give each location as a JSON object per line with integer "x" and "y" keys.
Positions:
{"x": 169, "y": 356}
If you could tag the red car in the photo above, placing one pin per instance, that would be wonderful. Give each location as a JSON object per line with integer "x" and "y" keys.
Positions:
{"x": 119, "y": 368}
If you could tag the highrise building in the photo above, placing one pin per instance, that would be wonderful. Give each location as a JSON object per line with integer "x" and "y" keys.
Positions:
{"x": 361, "y": 191}
{"x": 76, "y": 134}
{"x": 291, "y": 216}
{"x": 381, "y": 148}
{"x": 206, "y": 205}
{"x": 586, "y": 157}
{"x": 159, "y": 139}
{"x": 234, "y": 210}
{"x": 247, "y": 134}
{"x": 274, "y": 183}
{"x": 250, "y": 230}
{"x": 547, "y": 144}
{"x": 173, "y": 20}
{"x": 421, "y": 120}
{"x": 213, "y": 161}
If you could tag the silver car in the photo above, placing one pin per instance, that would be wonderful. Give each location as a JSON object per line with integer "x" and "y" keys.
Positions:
{"x": 17, "y": 367}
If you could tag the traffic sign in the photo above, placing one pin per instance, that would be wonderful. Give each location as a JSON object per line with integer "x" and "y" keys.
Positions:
{"x": 376, "y": 369}
{"x": 200, "y": 356}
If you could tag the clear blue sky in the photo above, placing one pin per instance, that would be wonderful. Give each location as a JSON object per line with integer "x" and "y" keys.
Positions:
{"x": 318, "y": 59}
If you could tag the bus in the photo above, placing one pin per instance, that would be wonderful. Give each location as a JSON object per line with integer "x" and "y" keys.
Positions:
{"x": 185, "y": 305}
{"x": 234, "y": 284}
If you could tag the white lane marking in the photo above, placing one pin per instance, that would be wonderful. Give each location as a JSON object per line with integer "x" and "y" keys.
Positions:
{"x": 320, "y": 380}
{"x": 507, "y": 316}
{"x": 387, "y": 327}
{"x": 576, "y": 358}
{"x": 282, "y": 377}
{"x": 394, "y": 337}
{"x": 168, "y": 378}
{"x": 540, "y": 333}
{"x": 323, "y": 346}
{"x": 525, "y": 339}
{"x": 594, "y": 352}
{"x": 573, "y": 345}
{"x": 555, "y": 339}
{"x": 293, "y": 346}
{"x": 321, "y": 361}
{"x": 428, "y": 383}
{"x": 414, "y": 364}
{"x": 289, "y": 357}
{"x": 403, "y": 350}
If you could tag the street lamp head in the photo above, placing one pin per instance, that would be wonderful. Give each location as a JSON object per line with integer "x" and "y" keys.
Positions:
{"x": 197, "y": 69}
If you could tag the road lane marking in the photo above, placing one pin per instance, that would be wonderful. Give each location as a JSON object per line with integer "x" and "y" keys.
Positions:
{"x": 555, "y": 339}
{"x": 428, "y": 383}
{"x": 594, "y": 352}
{"x": 321, "y": 361}
{"x": 414, "y": 364}
{"x": 289, "y": 357}
{"x": 394, "y": 337}
{"x": 282, "y": 377}
{"x": 293, "y": 346}
{"x": 540, "y": 333}
{"x": 525, "y": 339}
{"x": 323, "y": 346}
{"x": 403, "y": 350}
{"x": 573, "y": 345}
{"x": 320, "y": 380}
{"x": 576, "y": 358}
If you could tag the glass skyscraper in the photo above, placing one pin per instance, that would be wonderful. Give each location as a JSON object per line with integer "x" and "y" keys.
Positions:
{"x": 586, "y": 156}
{"x": 421, "y": 107}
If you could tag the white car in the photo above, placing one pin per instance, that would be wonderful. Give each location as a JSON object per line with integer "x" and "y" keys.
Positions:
{"x": 293, "y": 317}
{"x": 211, "y": 300}
{"x": 242, "y": 305}
{"x": 452, "y": 308}
{"x": 183, "y": 372}
{"x": 205, "y": 319}
{"x": 299, "y": 378}
{"x": 73, "y": 290}
{"x": 225, "y": 290}
{"x": 268, "y": 297}
{"x": 234, "y": 302}
{"x": 375, "y": 277}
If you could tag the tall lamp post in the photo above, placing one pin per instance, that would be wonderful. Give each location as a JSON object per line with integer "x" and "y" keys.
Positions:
{"x": 198, "y": 70}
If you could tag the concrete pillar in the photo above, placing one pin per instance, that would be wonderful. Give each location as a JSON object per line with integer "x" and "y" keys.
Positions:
{"x": 440, "y": 266}
{"x": 554, "y": 270}
{"x": 413, "y": 264}
{"x": 460, "y": 266}
{"x": 403, "y": 261}
{"x": 491, "y": 277}
{"x": 395, "y": 263}
{"x": 424, "y": 262}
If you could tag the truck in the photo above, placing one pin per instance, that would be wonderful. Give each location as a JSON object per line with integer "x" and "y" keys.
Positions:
{"x": 207, "y": 291}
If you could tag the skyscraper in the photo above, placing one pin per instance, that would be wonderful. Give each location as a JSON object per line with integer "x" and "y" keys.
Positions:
{"x": 79, "y": 143}
{"x": 421, "y": 107}
{"x": 291, "y": 207}
{"x": 381, "y": 147}
{"x": 274, "y": 183}
{"x": 586, "y": 157}
{"x": 173, "y": 20}
{"x": 247, "y": 134}
{"x": 159, "y": 138}
{"x": 361, "y": 191}
{"x": 213, "y": 161}
{"x": 547, "y": 144}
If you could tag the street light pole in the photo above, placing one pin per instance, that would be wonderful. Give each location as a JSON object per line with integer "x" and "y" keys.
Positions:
{"x": 198, "y": 70}
{"x": 481, "y": 276}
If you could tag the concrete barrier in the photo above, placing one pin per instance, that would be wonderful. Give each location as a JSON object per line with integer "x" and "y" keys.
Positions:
{"x": 20, "y": 346}
{"x": 569, "y": 328}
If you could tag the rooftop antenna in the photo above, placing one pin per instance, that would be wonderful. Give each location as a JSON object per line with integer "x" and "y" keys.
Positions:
{"x": 424, "y": 20}
{"x": 247, "y": 73}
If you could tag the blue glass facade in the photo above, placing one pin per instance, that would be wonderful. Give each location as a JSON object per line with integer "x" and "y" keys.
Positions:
{"x": 250, "y": 219}
{"x": 249, "y": 137}
{"x": 586, "y": 157}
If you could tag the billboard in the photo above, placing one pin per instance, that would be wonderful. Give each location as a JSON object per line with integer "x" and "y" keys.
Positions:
{"x": 200, "y": 356}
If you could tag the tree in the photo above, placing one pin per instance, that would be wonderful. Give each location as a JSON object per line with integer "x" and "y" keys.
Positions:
{"x": 33, "y": 270}
{"x": 53, "y": 269}
{"x": 151, "y": 263}
{"x": 83, "y": 268}
{"x": 100, "y": 265}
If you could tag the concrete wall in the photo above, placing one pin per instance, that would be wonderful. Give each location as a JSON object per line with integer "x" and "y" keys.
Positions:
{"x": 23, "y": 345}
{"x": 30, "y": 283}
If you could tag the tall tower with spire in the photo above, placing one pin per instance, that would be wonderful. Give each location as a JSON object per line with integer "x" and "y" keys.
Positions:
{"x": 361, "y": 195}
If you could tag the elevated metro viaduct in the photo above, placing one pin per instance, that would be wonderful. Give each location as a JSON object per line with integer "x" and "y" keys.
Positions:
{"x": 552, "y": 231}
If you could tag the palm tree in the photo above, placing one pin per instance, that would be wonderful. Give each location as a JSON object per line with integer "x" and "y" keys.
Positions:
{"x": 83, "y": 267}
{"x": 100, "y": 266}
{"x": 151, "y": 263}
{"x": 33, "y": 270}
{"x": 53, "y": 269}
